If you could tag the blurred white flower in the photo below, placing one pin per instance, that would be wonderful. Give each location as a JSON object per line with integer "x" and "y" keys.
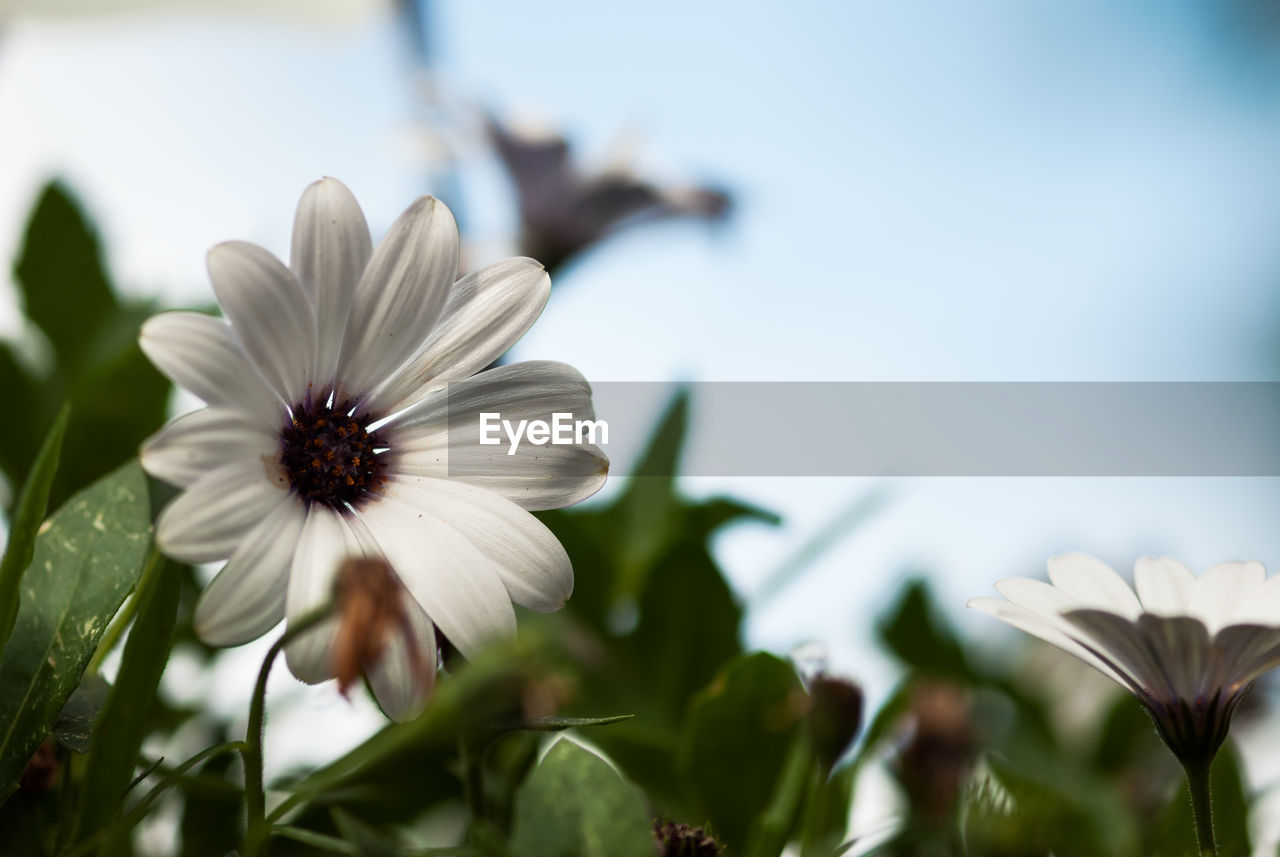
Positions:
{"x": 342, "y": 403}
{"x": 1187, "y": 648}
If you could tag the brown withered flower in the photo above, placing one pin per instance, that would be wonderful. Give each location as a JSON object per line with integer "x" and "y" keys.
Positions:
{"x": 371, "y": 621}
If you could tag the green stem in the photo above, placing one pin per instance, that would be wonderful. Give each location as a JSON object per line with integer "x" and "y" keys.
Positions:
{"x": 254, "y": 791}
{"x": 1201, "y": 805}
{"x": 472, "y": 785}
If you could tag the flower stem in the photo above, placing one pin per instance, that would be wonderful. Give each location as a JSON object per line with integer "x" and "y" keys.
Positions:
{"x": 1201, "y": 805}
{"x": 254, "y": 790}
{"x": 472, "y": 785}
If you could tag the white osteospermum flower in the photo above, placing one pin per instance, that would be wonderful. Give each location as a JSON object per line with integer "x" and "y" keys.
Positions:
{"x": 1187, "y": 648}
{"x": 335, "y": 389}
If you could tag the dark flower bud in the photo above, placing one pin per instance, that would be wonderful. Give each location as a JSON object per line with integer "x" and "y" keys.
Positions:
{"x": 935, "y": 760}
{"x": 41, "y": 771}
{"x": 683, "y": 840}
{"x": 835, "y": 717}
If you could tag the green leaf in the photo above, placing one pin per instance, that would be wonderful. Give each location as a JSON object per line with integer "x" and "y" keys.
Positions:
{"x": 559, "y": 724}
{"x": 365, "y": 841}
{"x": 86, "y": 561}
{"x": 646, "y": 514}
{"x": 921, "y": 637}
{"x": 689, "y": 627}
{"x": 575, "y": 805}
{"x": 123, "y": 725}
{"x": 74, "y": 726}
{"x": 22, "y": 428}
{"x": 736, "y": 740}
{"x": 118, "y": 398}
{"x": 64, "y": 285}
{"x": 33, "y": 503}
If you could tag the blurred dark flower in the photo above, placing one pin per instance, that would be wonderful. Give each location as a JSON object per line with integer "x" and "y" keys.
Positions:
{"x": 683, "y": 840}
{"x": 835, "y": 716}
{"x": 935, "y": 761}
{"x": 1188, "y": 649}
{"x": 41, "y": 771}
{"x": 564, "y": 212}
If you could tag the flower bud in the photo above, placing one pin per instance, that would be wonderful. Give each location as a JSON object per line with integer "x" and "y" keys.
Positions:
{"x": 683, "y": 840}
{"x": 835, "y": 717}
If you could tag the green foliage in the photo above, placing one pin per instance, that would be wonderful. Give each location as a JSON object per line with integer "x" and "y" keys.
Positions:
{"x": 736, "y": 740}
{"x": 28, "y": 514}
{"x": 85, "y": 563}
{"x": 117, "y": 398}
{"x": 120, "y": 730}
{"x": 915, "y": 631}
{"x": 605, "y": 817}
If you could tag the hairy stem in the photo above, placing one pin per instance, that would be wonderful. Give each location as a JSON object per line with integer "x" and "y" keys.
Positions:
{"x": 1201, "y": 805}
{"x": 254, "y": 790}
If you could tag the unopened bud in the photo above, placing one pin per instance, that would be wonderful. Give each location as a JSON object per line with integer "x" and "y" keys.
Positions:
{"x": 683, "y": 840}
{"x": 370, "y": 612}
{"x": 835, "y": 717}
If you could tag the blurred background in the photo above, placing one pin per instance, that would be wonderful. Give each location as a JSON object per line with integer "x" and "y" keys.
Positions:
{"x": 1065, "y": 190}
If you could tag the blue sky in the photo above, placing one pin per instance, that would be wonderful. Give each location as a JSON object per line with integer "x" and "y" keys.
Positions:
{"x": 980, "y": 191}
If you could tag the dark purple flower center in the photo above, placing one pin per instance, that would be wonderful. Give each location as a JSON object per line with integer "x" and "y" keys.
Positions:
{"x": 329, "y": 455}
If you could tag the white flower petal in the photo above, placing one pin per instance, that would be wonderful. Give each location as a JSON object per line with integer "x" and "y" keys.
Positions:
{"x": 1180, "y": 645}
{"x": 1263, "y": 608}
{"x": 199, "y": 353}
{"x": 270, "y": 313}
{"x": 327, "y": 539}
{"x": 1165, "y": 586}
{"x": 207, "y": 521}
{"x": 403, "y": 677}
{"x": 1036, "y": 595}
{"x": 246, "y": 599}
{"x": 1094, "y": 584}
{"x": 1126, "y": 645}
{"x": 400, "y": 297}
{"x": 457, "y": 585}
{"x": 440, "y": 437}
{"x": 1225, "y": 590}
{"x": 487, "y": 312}
{"x": 1241, "y": 653}
{"x": 1048, "y": 630}
{"x": 530, "y": 560}
{"x": 331, "y": 247}
{"x": 196, "y": 443}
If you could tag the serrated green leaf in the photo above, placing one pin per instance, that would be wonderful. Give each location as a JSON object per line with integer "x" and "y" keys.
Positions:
{"x": 120, "y": 730}
{"x": 737, "y": 737}
{"x": 575, "y": 805}
{"x": 29, "y": 512}
{"x": 86, "y": 561}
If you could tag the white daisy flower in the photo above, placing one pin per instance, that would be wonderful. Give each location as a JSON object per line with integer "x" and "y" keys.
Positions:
{"x": 1187, "y": 648}
{"x": 331, "y": 388}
